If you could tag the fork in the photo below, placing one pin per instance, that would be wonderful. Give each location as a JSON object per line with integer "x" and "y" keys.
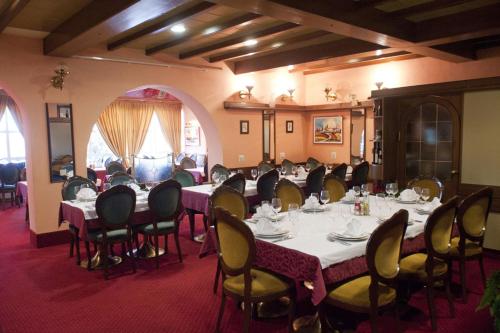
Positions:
{"x": 342, "y": 242}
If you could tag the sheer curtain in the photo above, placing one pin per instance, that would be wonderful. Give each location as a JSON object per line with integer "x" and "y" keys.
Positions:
{"x": 169, "y": 115}
{"x": 7, "y": 102}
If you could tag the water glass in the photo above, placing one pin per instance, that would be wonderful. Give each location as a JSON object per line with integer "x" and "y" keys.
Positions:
{"x": 357, "y": 190}
{"x": 418, "y": 191}
{"x": 364, "y": 190}
{"x": 240, "y": 171}
{"x": 394, "y": 189}
{"x": 276, "y": 206}
{"x": 293, "y": 216}
{"x": 325, "y": 197}
{"x": 76, "y": 189}
{"x": 215, "y": 177}
{"x": 254, "y": 173}
{"x": 345, "y": 212}
{"x": 294, "y": 170}
{"x": 425, "y": 194}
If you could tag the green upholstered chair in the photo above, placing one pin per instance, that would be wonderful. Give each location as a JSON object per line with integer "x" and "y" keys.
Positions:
{"x": 472, "y": 215}
{"x": 288, "y": 192}
{"x": 360, "y": 174}
{"x": 241, "y": 281}
{"x": 114, "y": 166}
{"x": 232, "y": 201}
{"x": 114, "y": 208}
{"x": 236, "y": 181}
{"x": 68, "y": 193}
{"x": 220, "y": 169}
{"x": 377, "y": 290}
{"x": 187, "y": 163}
{"x": 266, "y": 184}
{"x": 165, "y": 205}
{"x": 335, "y": 186}
{"x": 314, "y": 180}
{"x": 9, "y": 176}
{"x": 340, "y": 171}
{"x": 432, "y": 266}
{"x": 121, "y": 178}
{"x": 92, "y": 175}
{"x": 312, "y": 163}
{"x": 186, "y": 179}
{"x": 433, "y": 184}
{"x": 264, "y": 167}
{"x": 288, "y": 166}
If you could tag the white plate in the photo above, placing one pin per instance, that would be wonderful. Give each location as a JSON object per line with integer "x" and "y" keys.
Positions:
{"x": 279, "y": 233}
{"x": 280, "y": 217}
{"x": 320, "y": 209}
{"x": 406, "y": 201}
{"x": 363, "y": 236}
{"x": 348, "y": 201}
{"x": 422, "y": 211}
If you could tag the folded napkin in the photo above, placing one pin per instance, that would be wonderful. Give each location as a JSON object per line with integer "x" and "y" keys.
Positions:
{"x": 311, "y": 203}
{"x": 264, "y": 211}
{"x": 353, "y": 228}
{"x": 408, "y": 195}
{"x": 265, "y": 226}
{"x": 349, "y": 195}
{"x": 430, "y": 206}
{"x": 135, "y": 187}
{"x": 85, "y": 193}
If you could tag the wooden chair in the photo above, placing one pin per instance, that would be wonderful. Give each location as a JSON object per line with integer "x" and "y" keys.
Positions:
{"x": 220, "y": 169}
{"x": 432, "y": 267}
{"x": 92, "y": 175}
{"x": 114, "y": 208}
{"x": 114, "y": 166}
{"x": 360, "y": 174}
{"x": 289, "y": 192}
{"x": 187, "y": 163}
{"x": 340, "y": 171}
{"x": 433, "y": 184}
{"x": 237, "y": 181}
{"x": 312, "y": 163}
{"x": 9, "y": 176}
{"x": 472, "y": 216}
{"x": 241, "y": 281}
{"x": 121, "y": 178}
{"x": 377, "y": 290}
{"x": 266, "y": 184}
{"x": 335, "y": 186}
{"x": 264, "y": 167}
{"x": 314, "y": 180}
{"x": 165, "y": 203}
{"x": 287, "y": 165}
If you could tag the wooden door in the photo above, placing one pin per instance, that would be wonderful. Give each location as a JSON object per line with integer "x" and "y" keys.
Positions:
{"x": 430, "y": 142}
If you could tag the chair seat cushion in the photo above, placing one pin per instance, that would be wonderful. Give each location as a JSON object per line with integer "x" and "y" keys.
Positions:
{"x": 163, "y": 228}
{"x": 113, "y": 235}
{"x": 414, "y": 265}
{"x": 7, "y": 187}
{"x": 471, "y": 248}
{"x": 263, "y": 284}
{"x": 356, "y": 293}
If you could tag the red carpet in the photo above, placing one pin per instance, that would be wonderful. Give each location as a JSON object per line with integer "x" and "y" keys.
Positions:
{"x": 42, "y": 290}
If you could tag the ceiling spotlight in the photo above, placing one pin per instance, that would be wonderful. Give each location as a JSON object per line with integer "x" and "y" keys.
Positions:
{"x": 378, "y": 52}
{"x": 211, "y": 30}
{"x": 290, "y": 67}
{"x": 250, "y": 42}
{"x": 276, "y": 45}
{"x": 178, "y": 28}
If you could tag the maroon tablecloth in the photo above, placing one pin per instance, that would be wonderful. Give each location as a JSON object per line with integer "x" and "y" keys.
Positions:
{"x": 22, "y": 190}
{"x": 198, "y": 176}
{"x": 199, "y": 201}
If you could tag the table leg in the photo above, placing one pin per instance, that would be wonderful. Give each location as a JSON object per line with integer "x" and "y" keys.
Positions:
{"x": 97, "y": 261}
{"x": 147, "y": 250}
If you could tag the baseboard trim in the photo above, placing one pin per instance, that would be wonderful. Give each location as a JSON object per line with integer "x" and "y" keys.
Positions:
{"x": 49, "y": 238}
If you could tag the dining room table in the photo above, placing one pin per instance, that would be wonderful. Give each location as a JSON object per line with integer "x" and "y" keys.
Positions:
{"x": 198, "y": 174}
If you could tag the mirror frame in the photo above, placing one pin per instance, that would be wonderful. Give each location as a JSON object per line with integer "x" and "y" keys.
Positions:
{"x": 272, "y": 135}
{"x": 53, "y": 119}
{"x": 352, "y": 130}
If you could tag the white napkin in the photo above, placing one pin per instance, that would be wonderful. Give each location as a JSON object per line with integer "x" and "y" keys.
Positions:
{"x": 408, "y": 195}
{"x": 353, "y": 228}
{"x": 265, "y": 226}
{"x": 430, "y": 206}
{"x": 135, "y": 187}
{"x": 349, "y": 195}
{"x": 85, "y": 193}
{"x": 311, "y": 203}
{"x": 264, "y": 211}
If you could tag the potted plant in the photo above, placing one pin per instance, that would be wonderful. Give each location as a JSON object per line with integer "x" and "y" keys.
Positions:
{"x": 491, "y": 298}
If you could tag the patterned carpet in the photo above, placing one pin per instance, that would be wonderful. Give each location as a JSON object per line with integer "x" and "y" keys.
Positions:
{"x": 42, "y": 290}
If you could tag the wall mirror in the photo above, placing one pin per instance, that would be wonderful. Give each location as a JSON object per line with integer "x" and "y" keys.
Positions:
{"x": 358, "y": 123}
{"x": 268, "y": 136}
{"x": 61, "y": 146}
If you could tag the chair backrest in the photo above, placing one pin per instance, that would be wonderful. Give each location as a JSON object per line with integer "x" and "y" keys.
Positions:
{"x": 184, "y": 177}
{"x": 335, "y": 186}
{"x": 438, "y": 229}
{"x": 312, "y": 163}
{"x": 340, "y": 171}
{"x": 68, "y": 187}
{"x": 121, "y": 178}
{"x": 9, "y": 174}
{"x": 237, "y": 181}
{"x": 383, "y": 250}
{"x": 472, "y": 215}
{"x": 287, "y": 165}
{"x": 92, "y": 175}
{"x": 229, "y": 199}
{"x": 289, "y": 192}
{"x": 115, "y": 207}
{"x": 220, "y": 169}
{"x": 314, "y": 180}
{"x": 264, "y": 167}
{"x": 187, "y": 163}
{"x": 165, "y": 200}
{"x": 433, "y": 184}
{"x": 114, "y": 166}
{"x": 360, "y": 174}
{"x": 236, "y": 245}
{"x": 266, "y": 184}
{"x": 22, "y": 174}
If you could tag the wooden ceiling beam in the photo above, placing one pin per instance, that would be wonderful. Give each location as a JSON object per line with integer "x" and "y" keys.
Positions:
{"x": 221, "y": 27}
{"x": 12, "y": 8}
{"x": 150, "y": 28}
{"x": 238, "y": 39}
{"x": 425, "y": 7}
{"x": 309, "y": 53}
{"x": 242, "y": 51}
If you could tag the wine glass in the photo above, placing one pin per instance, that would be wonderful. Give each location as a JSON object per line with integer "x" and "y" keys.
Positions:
{"x": 364, "y": 190}
{"x": 418, "y": 191}
{"x": 215, "y": 177}
{"x": 293, "y": 215}
{"x": 240, "y": 171}
{"x": 345, "y": 212}
{"x": 425, "y": 194}
{"x": 325, "y": 197}
{"x": 76, "y": 189}
{"x": 388, "y": 189}
{"x": 357, "y": 190}
{"x": 307, "y": 167}
{"x": 294, "y": 170}
{"x": 254, "y": 173}
{"x": 395, "y": 189}
{"x": 276, "y": 206}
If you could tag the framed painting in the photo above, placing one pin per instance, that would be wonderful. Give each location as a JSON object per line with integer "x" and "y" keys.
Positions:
{"x": 289, "y": 126}
{"x": 327, "y": 129}
{"x": 192, "y": 135}
{"x": 244, "y": 127}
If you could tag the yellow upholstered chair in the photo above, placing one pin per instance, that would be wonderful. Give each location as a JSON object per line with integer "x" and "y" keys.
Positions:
{"x": 377, "y": 290}
{"x": 472, "y": 214}
{"x": 288, "y": 192}
{"x": 433, "y": 184}
{"x": 432, "y": 267}
{"x": 242, "y": 282}
{"x": 335, "y": 186}
{"x": 232, "y": 201}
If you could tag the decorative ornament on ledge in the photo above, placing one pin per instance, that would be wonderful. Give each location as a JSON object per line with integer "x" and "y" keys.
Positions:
{"x": 379, "y": 84}
{"x": 330, "y": 95}
{"x": 284, "y": 97}
{"x": 248, "y": 93}
{"x": 57, "y": 80}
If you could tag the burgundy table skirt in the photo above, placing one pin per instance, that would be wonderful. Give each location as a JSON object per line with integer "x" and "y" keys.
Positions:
{"x": 304, "y": 267}
{"x": 198, "y": 177}
{"x": 199, "y": 201}
{"x": 22, "y": 190}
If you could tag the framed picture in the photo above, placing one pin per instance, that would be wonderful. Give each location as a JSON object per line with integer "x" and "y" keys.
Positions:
{"x": 244, "y": 127}
{"x": 192, "y": 135}
{"x": 327, "y": 129}
{"x": 63, "y": 111}
{"x": 289, "y": 126}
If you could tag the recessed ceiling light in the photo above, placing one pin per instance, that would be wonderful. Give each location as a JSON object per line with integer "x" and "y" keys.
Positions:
{"x": 290, "y": 67}
{"x": 250, "y": 42}
{"x": 211, "y": 30}
{"x": 378, "y": 52}
{"x": 352, "y": 61}
{"x": 178, "y": 28}
{"x": 278, "y": 44}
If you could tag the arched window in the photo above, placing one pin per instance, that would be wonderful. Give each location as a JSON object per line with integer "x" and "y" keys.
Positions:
{"x": 11, "y": 140}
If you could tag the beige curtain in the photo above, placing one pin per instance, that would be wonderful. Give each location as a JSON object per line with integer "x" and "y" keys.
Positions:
{"x": 169, "y": 116}
{"x": 7, "y": 101}
{"x": 138, "y": 119}
{"x": 4, "y": 100}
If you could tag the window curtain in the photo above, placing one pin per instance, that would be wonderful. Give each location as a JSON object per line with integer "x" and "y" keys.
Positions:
{"x": 169, "y": 115}
{"x": 7, "y": 102}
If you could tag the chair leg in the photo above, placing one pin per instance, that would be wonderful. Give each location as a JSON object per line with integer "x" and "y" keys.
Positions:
{"x": 191, "y": 223}
{"x": 291, "y": 313}
{"x": 217, "y": 275}
{"x": 132, "y": 257}
{"x": 247, "y": 316}
{"x": 166, "y": 243}
{"x": 462, "y": 280}
{"x": 430, "y": 303}
{"x": 221, "y": 312}
{"x": 136, "y": 239}
{"x": 205, "y": 222}
{"x": 89, "y": 258}
{"x": 396, "y": 314}
{"x": 157, "y": 251}
{"x": 449, "y": 296}
{"x": 481, "y": 267}
{"x": 178, "y": 245}
{"x": 322, "y": 318}
{"x": 373, "y": 318}
{"x": 71, "y": 245}
{"x": 77, "y": 246}
{"x": 104, "y": 256}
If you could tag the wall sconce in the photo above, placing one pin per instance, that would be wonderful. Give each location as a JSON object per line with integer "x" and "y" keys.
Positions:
{"x": 57, "y": 80}
{"x": 290, "y": 95}
{"x": 247, "y": 93}
{"x": 330, "y": 95}
{"x": 379, "y": 84}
